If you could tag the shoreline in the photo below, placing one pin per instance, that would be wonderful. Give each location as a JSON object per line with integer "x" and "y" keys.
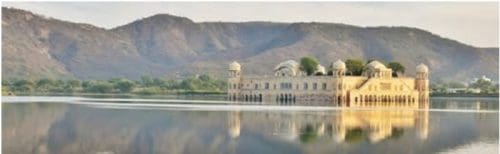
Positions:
{"x": 464, "y": 95}
{"x": 207, "y": 93}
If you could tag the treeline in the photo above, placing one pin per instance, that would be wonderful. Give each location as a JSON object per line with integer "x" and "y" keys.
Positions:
{"x": 483, "y": 85}
{"x": 145, "y": 86}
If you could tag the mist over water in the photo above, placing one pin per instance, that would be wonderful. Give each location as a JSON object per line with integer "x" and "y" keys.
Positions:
{"x": 134, "y": 125}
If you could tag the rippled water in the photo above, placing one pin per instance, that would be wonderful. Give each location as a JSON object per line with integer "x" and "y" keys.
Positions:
{"x": 100, "y": 125}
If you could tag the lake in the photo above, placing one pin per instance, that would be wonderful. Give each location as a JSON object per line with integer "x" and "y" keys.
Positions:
{"x": 170, "y": 125}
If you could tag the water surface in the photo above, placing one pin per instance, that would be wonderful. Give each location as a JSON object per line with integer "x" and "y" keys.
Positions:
{"x": 99, "y": 125}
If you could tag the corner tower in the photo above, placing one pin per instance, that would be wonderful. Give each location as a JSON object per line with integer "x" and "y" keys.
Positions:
{"x": 422, "y": 84}
{"x": 233, "y": 89}
{"x": 339, "y": 95}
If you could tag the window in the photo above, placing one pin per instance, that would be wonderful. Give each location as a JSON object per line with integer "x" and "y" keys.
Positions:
{"x": 234, "y": 86}
{"x": 285, "y": 85}
{"x": 274, "y": 86}
{"x": 297, "y": 86}
{"x": 256, "y": 86}
{"x": 315, "y": 86}
{"x": 305, "y": 86}
{"x": 324, "y": 86}
{"x": 266, "y": 85}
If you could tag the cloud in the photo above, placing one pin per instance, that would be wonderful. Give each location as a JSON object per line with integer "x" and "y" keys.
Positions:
{"x": 474, "y": 23}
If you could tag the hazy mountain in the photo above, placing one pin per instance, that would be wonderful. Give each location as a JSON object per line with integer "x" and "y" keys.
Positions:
{"x": 166, "y": 45}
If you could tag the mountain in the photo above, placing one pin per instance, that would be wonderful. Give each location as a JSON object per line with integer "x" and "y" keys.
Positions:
{"x": 163, "y": 45}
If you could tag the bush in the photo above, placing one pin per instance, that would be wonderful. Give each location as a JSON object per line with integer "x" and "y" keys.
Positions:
{"x": 99, "y": 87}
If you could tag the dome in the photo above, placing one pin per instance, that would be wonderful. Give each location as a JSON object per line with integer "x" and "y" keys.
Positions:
{"x": 287, "y": 68}
{"x": 321, "y": 69}
{"x": 339, "y": 64}
{"x": 422, "y": 68}
{"x": 288, "y": 64}
{"x": 376, "y": 65}
{"x": 234, "y": 66}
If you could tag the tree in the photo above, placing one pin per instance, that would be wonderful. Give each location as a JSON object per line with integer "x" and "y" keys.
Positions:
{"x": 24, "y": 85}
{"x": 147, "y": 81}
{"x": 73, "y": 83}
{"x": 308, "y": 65}
{"x": 158, "y": 82}
{"x": 204, "y": 77}
{"x": 99, "y": 87}
{"x": 396, "y": 68}
{"x": 44, "y": 84}
{"x": 124, "y": 85}
{"x": 188, "y": 84}
{"x": 354, "y": 66}
{"x": 482, "y": 84}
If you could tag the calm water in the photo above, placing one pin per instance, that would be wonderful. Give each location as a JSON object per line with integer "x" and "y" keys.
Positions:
{"x": 85, "y": 125}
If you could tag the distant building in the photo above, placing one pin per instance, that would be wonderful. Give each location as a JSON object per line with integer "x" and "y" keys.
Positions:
{"x": 375, "y": 86}
{"x": 463, "y": 90}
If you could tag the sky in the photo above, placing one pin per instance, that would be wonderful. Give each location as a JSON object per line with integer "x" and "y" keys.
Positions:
{"x": 473, "y": 23}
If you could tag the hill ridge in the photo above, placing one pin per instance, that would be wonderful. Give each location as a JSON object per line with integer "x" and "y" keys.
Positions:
{"x": 167, "y": 45}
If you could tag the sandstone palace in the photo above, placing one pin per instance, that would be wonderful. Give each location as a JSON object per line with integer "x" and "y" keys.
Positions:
{"x": 374, "y": 87}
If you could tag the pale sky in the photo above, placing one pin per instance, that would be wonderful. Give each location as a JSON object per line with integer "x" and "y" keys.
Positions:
{"x": 473, "y": 23}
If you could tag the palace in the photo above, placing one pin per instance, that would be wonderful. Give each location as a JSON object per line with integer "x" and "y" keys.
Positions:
{"x": 375, "y": 87}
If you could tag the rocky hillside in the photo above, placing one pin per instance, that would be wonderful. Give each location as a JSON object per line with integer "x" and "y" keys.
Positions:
{"x": 163, "y": 45}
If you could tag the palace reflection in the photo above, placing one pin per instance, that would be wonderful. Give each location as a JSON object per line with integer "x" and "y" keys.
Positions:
{"x": 343, "y": 126}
